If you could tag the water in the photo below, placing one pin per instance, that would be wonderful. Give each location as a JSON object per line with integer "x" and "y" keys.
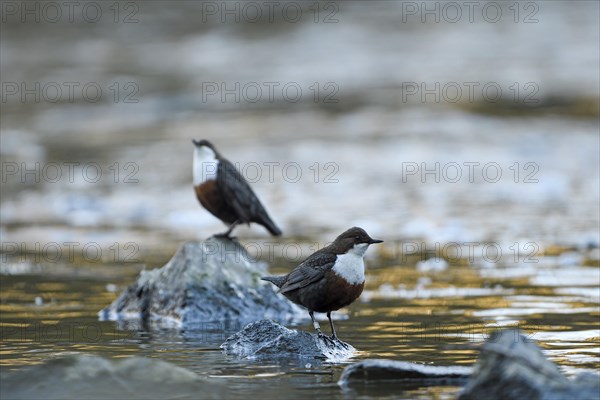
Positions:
{"x": 520, "y": 250}
{"x": 308, "y": 155}
{"x": 429, "y": 317}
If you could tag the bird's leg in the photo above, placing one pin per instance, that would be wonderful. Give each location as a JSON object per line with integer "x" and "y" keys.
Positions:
{"x": 231, "y": 228}
{"x": 321, "y": 335}
{"x": 334, "y": 337}
{"x": 228, "y": 232}
{"x": 315, "y": 323}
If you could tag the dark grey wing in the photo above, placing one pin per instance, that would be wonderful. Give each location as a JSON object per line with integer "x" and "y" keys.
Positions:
{"x": 237, "y": 193}
{"x": 312, "y": 270}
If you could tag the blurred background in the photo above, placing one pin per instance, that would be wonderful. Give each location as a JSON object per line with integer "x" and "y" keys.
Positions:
{"x": 443, "y": 122}
{"x": 464, "y": 134}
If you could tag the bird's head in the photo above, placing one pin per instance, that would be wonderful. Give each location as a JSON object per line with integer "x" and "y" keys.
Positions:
{"x": 355, "y": 239}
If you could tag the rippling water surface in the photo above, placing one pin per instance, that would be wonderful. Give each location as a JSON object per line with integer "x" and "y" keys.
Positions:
{"x": 407, "y": 312}
{"x": 513, "y": 242}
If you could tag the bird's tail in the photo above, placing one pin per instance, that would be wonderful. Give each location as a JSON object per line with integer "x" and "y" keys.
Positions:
{"x": 270, "y": 225}
{"x": 275, "y": 280}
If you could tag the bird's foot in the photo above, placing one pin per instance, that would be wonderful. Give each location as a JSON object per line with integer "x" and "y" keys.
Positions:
{"x": 327, "y": 339}
{"x": 343, "y": 344}
{"x": 225, "y": 235}
{"x": 337, "y": 340}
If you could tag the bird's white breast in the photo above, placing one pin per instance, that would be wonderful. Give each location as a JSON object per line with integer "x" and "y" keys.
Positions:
{"x": 351, "y": 266}
{"x": 205, "y": 165}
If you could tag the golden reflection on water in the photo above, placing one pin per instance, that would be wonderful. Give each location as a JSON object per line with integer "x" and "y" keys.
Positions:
{"x": 425, "y": 327}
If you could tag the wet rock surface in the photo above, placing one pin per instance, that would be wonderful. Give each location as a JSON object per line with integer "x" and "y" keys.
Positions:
{"x": 387, "y": 370}
{"x": 93, "y": 377}
{"x": 509, "y": 367}
{"x": 512, "y": 367}
{"x": 268, "y": 339}
{"x": 214, "y": 280}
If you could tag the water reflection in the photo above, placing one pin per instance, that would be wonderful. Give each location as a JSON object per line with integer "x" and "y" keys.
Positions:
{"x": 372, "y": 136}
{"x": 443, "y": 329}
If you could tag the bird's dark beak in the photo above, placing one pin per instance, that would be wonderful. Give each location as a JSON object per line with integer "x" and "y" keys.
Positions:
{"x": 373, "y": 241}
{"x": 195, "y": 142}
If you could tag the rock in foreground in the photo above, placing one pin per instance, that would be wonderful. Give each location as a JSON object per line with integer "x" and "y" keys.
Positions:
{"x": 214, "y": 280}
{"x": 269, "y": 339}
{"x": 92, "y": 377}
{"x": 513, "y": 367}
{"x": 382, "y": 370}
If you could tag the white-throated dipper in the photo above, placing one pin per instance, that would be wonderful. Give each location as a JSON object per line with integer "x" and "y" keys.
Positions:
{"x": 330, "y": 278}
{"x": 223, "y": 191}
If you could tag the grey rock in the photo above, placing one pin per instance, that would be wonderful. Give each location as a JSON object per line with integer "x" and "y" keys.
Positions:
{"x": 268, "y": 339}
{"x": 93, "y": 377}
{"x": 214, "y": 280}
{"x": 512, "y": 367}
{"x": 391, "y": 370}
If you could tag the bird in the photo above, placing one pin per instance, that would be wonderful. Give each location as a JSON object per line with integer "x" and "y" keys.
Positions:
{"x": 329, "y": 279}
{"x": 224, "y": 192}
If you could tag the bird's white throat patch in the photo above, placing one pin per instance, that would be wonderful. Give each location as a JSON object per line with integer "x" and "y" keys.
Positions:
{"x": 351, "y": 266}
{"x": 205, "y": 165}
